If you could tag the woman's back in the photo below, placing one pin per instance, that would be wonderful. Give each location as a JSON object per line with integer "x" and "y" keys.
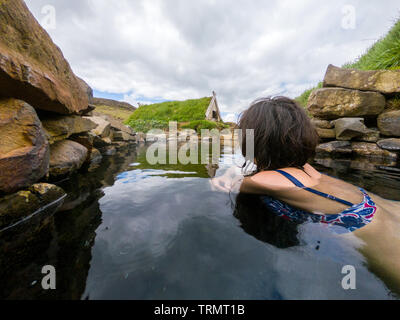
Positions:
{"x": 311, "y": 195}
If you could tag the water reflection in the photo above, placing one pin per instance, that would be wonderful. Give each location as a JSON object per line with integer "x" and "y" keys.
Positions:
{"x": 129, "y": 230}
{"x": 381, "y": 177}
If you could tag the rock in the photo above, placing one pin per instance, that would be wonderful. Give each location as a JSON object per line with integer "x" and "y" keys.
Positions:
{"x": 22, "y": 204}
{"x": 24, "y": 149}
{"x": 15, "y": 206}
{"x": 389, "y": 123}
{"x": 62, "y": 127}
{"x": 334, "y": 103}
{"x": 123, "y": 136}
{"x": 88, "y": 90}
{"x": 46, "y": 192}
{"x": 323, "y": 124}
{"x": 385, "y": 81}
{"x": 389, "y": 144}
{"x": 116, "y": 124}
{"x": 86, "y": 140}
{"x": 349, "y": 128}
{"x": 366, "y": 149}
{"x": 372, "y": 135}
{"x": 326, "y": 133}
{"x": 335, "y": 147}
{"x": 32, "y": 67}
{"x": 103, "y": 127}
{"x": 66, "y": 157}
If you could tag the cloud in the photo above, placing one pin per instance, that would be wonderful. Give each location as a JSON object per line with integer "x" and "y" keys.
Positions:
{"x": 164, "y": 50}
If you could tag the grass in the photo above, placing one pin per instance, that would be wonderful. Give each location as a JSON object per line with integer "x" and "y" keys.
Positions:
{"x": 119, "y": 113}
{"x": 383, "y": 55}
{"x": 189, "y": 114}
{"x": 180, "y": 111}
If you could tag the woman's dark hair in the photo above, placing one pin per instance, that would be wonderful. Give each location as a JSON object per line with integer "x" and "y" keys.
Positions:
{"x": 283, "y": 134}
{"x": 258, "y": 221}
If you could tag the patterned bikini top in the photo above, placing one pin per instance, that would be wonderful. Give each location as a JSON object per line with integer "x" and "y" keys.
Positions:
{"x": 351, "y": 219}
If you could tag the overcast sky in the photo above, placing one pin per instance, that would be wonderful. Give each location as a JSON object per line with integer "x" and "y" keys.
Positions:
{"x": 156, "y": 50}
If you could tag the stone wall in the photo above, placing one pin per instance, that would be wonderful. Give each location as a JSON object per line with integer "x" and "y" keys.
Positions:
{"x": 47, "y": 130}
{"x": 357, "y": 113}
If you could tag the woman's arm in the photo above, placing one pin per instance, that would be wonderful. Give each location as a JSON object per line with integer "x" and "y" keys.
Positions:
{"x": 234, "y": 181}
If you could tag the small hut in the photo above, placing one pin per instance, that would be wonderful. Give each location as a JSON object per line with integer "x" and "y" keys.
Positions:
{"x": 212, "y": 113}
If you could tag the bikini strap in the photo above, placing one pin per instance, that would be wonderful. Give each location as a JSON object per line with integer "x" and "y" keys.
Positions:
{"x": 297, "y": 183}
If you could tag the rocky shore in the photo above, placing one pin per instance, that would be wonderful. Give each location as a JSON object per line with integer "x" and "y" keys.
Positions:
{"x": 48, "y": 129}
{"x": 357, "y": 113}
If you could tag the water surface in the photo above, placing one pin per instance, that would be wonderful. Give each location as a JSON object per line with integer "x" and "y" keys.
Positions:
{"x": 130, "y": 230}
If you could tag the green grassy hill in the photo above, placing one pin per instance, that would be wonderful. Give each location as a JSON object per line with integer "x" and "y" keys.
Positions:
{"x": 188, "y": 113}
{"x": 384, "y": 54}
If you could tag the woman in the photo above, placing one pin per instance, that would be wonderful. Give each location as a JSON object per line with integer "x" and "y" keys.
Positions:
{"x": 284, "y": 140}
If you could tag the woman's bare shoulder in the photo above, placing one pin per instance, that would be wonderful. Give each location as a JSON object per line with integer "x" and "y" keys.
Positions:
{"x": 271, "y": 180}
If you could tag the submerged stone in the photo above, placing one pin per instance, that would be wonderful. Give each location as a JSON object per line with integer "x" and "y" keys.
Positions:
{"x": 17, "y": 206}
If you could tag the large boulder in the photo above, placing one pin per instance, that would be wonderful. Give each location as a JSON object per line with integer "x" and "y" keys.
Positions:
{"x": 385, "y": 81}
{"x": 389, "y": 123}
{"x": 66, "y": 157}
{"x": 334, "y": 103}
{"x": 62, "y": 127}
{"x": 24, "y": 149}
{"x": 366, "y": 149}
{"x": 349, "y": 128}
{"x": 32, "y": 67}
